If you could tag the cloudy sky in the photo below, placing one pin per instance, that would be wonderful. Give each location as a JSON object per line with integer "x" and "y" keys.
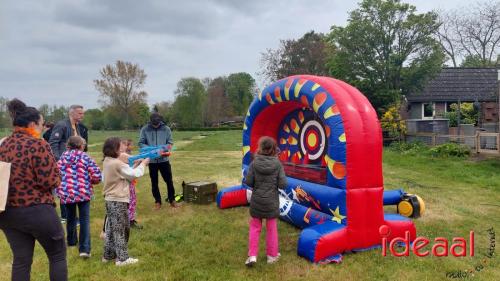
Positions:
{"x": 52, "y": 50}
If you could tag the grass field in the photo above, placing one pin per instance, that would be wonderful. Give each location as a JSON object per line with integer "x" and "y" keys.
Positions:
{"x": 204, "y": 243}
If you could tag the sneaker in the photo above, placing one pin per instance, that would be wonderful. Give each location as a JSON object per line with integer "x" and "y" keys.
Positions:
{"x": 63, "y": 221}
{"x": 271, "y": 259}
{"x": 251, "y": 261}
{"x": 126, "y": 262}
{"x": 135, "y": 224}
{"x": 105, "y": 260}
{"x": 85, "y": 255}
{"x": 157, "y": 206}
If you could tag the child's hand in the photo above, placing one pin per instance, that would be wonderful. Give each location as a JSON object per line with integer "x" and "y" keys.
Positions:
{"x": 145, "y": 161}
{"x": 124, "y": 157}
{"x": 137, "y": 162}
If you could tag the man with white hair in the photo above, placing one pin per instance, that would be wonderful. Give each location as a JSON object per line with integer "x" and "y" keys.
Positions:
{"x": 62, "y": 131}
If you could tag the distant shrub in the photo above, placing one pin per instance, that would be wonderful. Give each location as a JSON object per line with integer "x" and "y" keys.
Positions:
{"x": 420, "y": 148}
{"x": 392, "y": 122}
{"x": 450, "y": 150}
{"x": 468, "y": 114}
{"x": 409, "y": 147}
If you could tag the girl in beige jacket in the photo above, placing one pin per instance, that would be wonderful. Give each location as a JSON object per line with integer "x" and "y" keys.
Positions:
{"x": 117, "y": 177}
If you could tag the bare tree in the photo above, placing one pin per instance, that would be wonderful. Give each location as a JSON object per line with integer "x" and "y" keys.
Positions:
{"x": 474, "y": 34}
{"x": 446, "y": 35}
{"x": 479, "y": 32}
{"x": 120, "y": 87}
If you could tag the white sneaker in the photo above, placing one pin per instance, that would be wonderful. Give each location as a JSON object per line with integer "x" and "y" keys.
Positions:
{"x": 85, "y": 255}
{"x": 271, "y": 259}
{"x": 126, "y": 262}
{"x": 251, "y": 261}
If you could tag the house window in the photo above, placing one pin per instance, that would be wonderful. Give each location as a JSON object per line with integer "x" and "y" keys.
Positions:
{"x": 427, "y": 110}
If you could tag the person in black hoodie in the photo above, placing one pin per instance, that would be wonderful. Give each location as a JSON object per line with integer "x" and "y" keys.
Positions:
{"x": 265, "y": 175}
{"x": 153, "y": 134}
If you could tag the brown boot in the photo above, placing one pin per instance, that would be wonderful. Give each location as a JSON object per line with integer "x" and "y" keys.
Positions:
{"x": 174, "y": 204}
{"x": 157, "y": 206}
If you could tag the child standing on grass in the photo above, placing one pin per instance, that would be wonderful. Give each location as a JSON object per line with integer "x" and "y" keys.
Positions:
{"x": 265, "y": 175}
{"x": 133, "y": 196}
{"x": 117, "y": 178}
{"x": 78, "y": 173}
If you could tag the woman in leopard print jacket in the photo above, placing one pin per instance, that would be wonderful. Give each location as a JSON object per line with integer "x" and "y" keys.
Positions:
{"x": 30, "y": 214}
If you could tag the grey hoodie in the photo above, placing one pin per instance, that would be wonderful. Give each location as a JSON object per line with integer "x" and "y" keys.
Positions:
{"x": 151, "y": 136}
{"x": 265, "y": 175}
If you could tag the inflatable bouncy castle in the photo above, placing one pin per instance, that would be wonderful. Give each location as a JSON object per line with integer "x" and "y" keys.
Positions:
{"x": 331, "y": 148}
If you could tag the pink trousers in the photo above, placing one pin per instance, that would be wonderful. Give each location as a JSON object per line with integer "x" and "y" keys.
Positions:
{"x": 133, "y": 202}
{"x": 271, "y": 237}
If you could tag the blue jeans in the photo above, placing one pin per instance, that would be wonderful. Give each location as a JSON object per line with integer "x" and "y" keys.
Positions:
{"x": 84, "y": 212}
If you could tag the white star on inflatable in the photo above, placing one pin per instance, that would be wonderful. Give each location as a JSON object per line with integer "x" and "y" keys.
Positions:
{"x": 294, "y": 195}
{"x": 336, "y": 215}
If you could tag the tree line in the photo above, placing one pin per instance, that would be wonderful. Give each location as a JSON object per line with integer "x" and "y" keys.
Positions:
{"x": 198, "y": 102}
{"x": 386, "y": 49}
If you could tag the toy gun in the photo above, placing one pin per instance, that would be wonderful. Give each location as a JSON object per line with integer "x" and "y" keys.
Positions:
{"x": 151, "y": 152}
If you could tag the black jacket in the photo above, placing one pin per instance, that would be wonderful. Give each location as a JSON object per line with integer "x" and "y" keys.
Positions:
{"x": 46, "y": 135}
{"x": 265, "y": 175}
{"x": 61, "y": 133}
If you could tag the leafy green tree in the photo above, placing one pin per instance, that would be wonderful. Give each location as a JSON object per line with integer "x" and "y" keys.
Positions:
{"x": 4, "y": 115}
{"x": 113, "y": 120}
{"x": 140, "y": 115}
{"x": 306, "y": 55}
{"x": 58, "y": 113}
{"x": 240, "y": 89}
{"x": 165, "y": 110}
{"x": 477, "y": 61}
{"x": 94, "y": 119}
{"x": 386, "y": 50}
{"x": 45, "y": 111}
{"x": 189, "y": 103}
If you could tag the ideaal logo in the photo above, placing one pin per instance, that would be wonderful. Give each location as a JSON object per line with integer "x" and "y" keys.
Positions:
{"x": 458, "y": 248}
{"x": 439, "y": 248}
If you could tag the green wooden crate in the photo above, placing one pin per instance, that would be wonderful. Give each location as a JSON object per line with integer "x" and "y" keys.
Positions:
{"x": 199, "y": 192}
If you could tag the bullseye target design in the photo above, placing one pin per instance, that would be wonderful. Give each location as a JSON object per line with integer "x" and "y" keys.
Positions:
{"x": 302, "y": 138}
{"x": 312, "y": 140}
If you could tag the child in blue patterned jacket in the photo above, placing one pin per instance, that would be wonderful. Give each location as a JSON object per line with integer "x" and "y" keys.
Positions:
{"x": 78, "y": 173}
